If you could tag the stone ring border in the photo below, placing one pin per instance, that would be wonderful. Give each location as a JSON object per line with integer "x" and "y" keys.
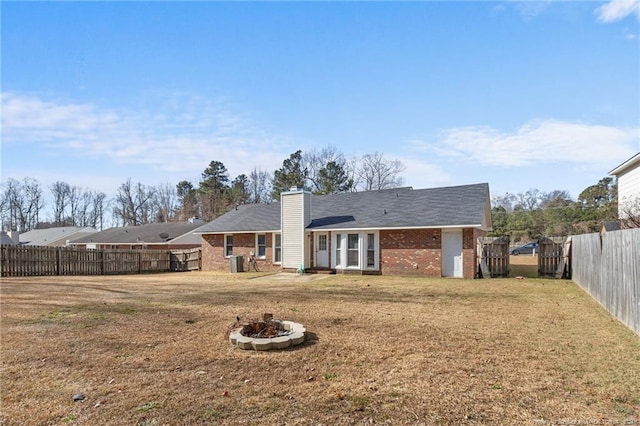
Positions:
{"x": 295, "y": 337}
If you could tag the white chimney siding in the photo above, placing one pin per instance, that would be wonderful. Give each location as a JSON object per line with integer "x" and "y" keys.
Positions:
{"x": 296, "y": 216}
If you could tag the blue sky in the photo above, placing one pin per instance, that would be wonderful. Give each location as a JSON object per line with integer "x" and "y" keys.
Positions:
{"x": 520, "y": 95}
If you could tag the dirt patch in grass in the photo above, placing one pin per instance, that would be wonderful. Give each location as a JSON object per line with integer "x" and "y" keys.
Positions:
{"x": 151, "y": 349}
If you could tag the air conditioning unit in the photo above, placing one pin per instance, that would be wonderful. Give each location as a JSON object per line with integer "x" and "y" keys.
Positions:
{"x": 236, "y": 264}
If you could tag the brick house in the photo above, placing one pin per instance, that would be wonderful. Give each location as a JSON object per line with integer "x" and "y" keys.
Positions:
{"x": 404, "y": 231}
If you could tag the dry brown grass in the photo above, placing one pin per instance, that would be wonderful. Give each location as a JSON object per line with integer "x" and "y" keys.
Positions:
{"x": 150, "y": 350}
{"x": 524, "y": 265}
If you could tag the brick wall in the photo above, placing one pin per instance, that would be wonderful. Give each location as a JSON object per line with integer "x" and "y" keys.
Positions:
{"x": 243, "y": 244}
{"x": 470, "y": 251}
{"x": 402, "y": 252}
{"x": 419, "y": 252}
{"x": 411, "y": 252}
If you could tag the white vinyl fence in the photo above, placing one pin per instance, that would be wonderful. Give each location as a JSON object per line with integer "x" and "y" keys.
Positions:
{"x": 607, "y": 266}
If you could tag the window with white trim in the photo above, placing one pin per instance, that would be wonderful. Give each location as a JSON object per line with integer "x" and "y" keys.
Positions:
{"x": 261, "y": 246}
{"x": 371, "y": 250}
{"x": 228, "y": 245}
{"x": 277, "y": 248}
{"x": 357, "y": 250}
{"x": 353, "y": 250}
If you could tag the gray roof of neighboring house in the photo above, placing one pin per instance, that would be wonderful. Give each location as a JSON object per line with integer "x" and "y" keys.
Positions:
{"x": 6, "y": 240}
{"x": 611, "y": 225}
{"x": 466, "y": 205}
{"x": 55, "y": 236}
{"x": 176, "y": 233}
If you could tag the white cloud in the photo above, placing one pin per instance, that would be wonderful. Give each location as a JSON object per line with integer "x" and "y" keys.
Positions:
{"x": 616, "y": 10}
{"x": 530, "y": 9}
{"x": 536, "y": 142}
{"x": 183, "y": 134}
{"x": 423, "y": 174}
{"x": 30, "y": 112}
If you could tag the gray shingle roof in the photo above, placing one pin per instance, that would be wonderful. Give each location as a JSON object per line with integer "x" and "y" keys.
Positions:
{"x": 148, "y": 234}
{"x": 55, "y": 236}
{"x": 464, "y": 205}
{"x": 245, "y": 218}
{"x": 6, "y": 240}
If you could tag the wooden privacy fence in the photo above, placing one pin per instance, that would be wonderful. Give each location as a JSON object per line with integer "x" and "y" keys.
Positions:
{"x": 19, "y": 261}
{"x": 186, "y": 260}
{"x": 607, "y": 266}
{"x": 493, "y": 254}
{"x": 551, "y": 258}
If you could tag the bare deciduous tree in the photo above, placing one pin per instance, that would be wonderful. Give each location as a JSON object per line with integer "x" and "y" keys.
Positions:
{"x": 60, "y": 194}
{"x": 259, "y": 186}
{"x": 77, "y": 206}
{"x": 166, "y": 200}
{"x": 99, "y": 207}
{"x": 134, "y": 204}
{"x": 529, "y": 200}
{"x": 21, "y": 204}
{"x": 505, "y": 201}
{"x": 327, "y": 171}
{"x": 313, "y": 161}
{"x": 374, "y": 171}
{"x": 630, "y": 213}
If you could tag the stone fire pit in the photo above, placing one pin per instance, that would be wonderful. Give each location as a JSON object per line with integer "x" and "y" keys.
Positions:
{"x": 267, "y": 334}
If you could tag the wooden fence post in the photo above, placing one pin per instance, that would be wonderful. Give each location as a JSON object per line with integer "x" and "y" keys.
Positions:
{"x": 58, "y": 265}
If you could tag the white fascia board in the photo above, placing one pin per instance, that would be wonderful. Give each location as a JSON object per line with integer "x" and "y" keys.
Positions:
{"x": 298, "y": 191}
{"x": 477, "y": 225}
{"x": 622, "y": 167}
{"x": 239, "y": 232}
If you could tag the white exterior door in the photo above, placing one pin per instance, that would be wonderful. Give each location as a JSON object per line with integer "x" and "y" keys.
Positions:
{"x": 322, "y": 250}
{"x": 452, "y": 253}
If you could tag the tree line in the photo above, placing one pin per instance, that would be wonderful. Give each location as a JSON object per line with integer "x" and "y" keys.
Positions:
{"x": 522, "y": 217}
{"x": 325, "y": 171}
{"x": 533, "y": 214}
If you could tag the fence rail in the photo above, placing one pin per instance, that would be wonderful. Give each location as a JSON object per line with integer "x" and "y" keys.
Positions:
{"x": 607, "y": 266}
{"x": 19, "y": 261}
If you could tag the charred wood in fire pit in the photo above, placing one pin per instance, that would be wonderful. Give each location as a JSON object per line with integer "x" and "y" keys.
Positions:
{"x": 269, "y": 328}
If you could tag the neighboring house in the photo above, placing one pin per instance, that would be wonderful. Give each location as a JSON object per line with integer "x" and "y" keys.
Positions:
{"x": 628, "y": 174}
{"x": 165, "y": 236}
{"x": 56, "y": 237}
{"x": 429, "y": 232}
{"x": 9, "y": 238}
{"x": 609, "y": 225}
